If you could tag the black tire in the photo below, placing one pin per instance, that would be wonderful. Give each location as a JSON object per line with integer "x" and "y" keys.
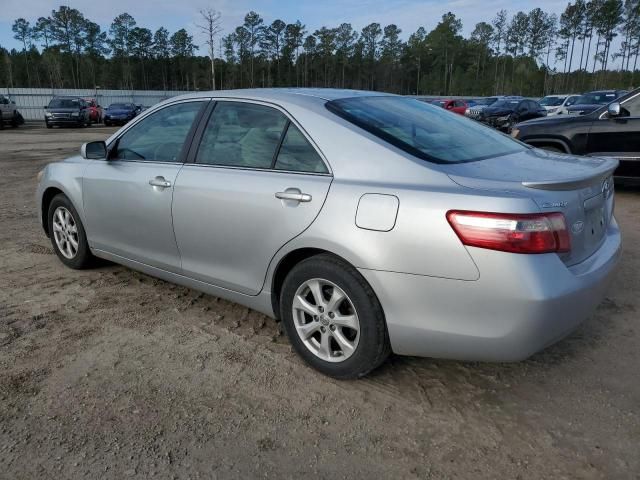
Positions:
{"x": 1, "y": 122}
{"x": 373, "y": 345}
{"x": 107, "y": 124}
{"x": 83, "y": 257}
{"x": 48, "y": 124}
{"x": 14, "y": 120}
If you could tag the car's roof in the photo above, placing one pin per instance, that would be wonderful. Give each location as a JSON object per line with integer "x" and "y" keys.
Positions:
{"x": 326, "y": 94}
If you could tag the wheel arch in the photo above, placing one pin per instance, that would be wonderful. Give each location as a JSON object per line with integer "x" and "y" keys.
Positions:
{"x": 548, "y": 141}
{"x": 47, "y": 197}
{"x": 288, "y": 262}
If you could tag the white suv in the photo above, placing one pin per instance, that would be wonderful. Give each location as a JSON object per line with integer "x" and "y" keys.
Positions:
{"x": 557, "y": 104}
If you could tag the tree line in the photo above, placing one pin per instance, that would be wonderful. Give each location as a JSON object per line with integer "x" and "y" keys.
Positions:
{"x": 529, "y": 53}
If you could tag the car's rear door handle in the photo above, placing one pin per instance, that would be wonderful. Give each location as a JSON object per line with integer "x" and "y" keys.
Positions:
{"x": 293, "y": 194}
{"x": 160, "y": 182}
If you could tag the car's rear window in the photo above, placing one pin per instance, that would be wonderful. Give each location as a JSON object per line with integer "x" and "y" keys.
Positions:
{"x": 425, "y": 131}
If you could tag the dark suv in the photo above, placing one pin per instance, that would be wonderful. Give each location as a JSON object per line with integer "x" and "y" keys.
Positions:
{"x": 503, "y": 114}
{"x": 67, "y": 111}
{"x": 591, "y": 101}
{"x": 611, "y": 131}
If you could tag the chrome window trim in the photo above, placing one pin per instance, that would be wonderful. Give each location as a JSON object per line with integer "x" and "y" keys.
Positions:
{"x": 256, "y": 169}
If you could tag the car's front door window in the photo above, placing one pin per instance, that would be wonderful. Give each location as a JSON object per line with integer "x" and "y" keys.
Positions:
{"x": 160, "y": 137}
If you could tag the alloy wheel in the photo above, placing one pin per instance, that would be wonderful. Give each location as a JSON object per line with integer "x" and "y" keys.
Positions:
{"x": 65, "y": 232}
{"x": 326, "y": 320}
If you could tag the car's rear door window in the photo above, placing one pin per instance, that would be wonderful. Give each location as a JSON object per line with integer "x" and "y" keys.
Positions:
{"x": 424, "y": 131}
{"x": 241, "y": 134}
{"x": 297, "y": 155}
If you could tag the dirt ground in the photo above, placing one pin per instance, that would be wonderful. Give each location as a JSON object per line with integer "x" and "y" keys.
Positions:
{"x": 109, "y": 373}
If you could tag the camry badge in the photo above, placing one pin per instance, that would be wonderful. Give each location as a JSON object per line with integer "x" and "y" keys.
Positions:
{"x": 554, "y": 204}
{"x": 578, "y": 226}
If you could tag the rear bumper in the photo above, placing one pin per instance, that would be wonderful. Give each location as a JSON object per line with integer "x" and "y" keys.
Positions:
{"x": 518, "y": 306}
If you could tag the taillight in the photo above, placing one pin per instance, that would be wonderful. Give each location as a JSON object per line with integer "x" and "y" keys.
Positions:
{"x": 516, "y": 233}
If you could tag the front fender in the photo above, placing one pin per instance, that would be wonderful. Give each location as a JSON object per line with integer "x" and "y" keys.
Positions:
{"x": 65, "y": 177}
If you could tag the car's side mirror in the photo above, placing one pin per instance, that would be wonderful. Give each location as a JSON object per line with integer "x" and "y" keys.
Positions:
{"x": 613, "y": 110}
{"x": 94, "y": 150}
{"x": 46, "y": 106}
{"x": 449, "y": 107}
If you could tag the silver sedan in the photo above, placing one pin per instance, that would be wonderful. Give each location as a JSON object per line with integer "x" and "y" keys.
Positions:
{"x": 367, "y": 223}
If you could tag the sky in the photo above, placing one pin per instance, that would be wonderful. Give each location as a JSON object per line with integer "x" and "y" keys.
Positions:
{"x": 176, "y": 14}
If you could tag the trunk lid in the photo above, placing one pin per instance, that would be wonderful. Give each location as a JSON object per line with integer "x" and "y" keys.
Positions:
{"x": 579, "y": 187}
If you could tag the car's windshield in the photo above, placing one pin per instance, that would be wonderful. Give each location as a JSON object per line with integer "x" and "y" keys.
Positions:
{"x": 119, "y": 106}
{"x": 596, "y": 98}
{"x": 486, "y": 101}
{"x": 506, "y": 103}
{"x": 551, "y": 101}
{"x": 424, "y": 131}
{"x": 64, "y": 103}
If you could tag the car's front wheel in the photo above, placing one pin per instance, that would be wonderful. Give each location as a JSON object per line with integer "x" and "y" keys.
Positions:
{"x": 67, "y": 234}
{"x": 333, "y": 318}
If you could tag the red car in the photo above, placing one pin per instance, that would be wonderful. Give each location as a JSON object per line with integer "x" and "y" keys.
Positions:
{"x": 456, "y": 106}
{"x": 95, "y": 110}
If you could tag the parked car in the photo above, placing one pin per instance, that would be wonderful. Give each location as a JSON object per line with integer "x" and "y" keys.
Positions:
{"x": 558, "y": 104}
{"x": 9, "y": 113}
{"x": 592, "y": 101}
{"x": 503, "y": 114}
{"x": 67, "y": 111}
{"x": 455, "y": 106}
{"x": 611, "y": 131}
{"x": 119, "y": 113}
{"x": 95, "y": 110}
{"x": 482, "y": 103}
{"x": 366, "y": 222}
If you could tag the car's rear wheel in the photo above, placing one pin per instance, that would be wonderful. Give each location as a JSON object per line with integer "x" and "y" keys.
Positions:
{"x": 333, "y": 318}
{"x": 67, "y": 234}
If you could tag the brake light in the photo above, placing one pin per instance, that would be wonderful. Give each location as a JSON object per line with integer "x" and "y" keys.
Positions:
{"x": 516, "y": 233}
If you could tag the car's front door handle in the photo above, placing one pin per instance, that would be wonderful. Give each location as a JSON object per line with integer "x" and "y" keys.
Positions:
{"x": 159, "y": 182}
{"x": 294, "y": 194}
